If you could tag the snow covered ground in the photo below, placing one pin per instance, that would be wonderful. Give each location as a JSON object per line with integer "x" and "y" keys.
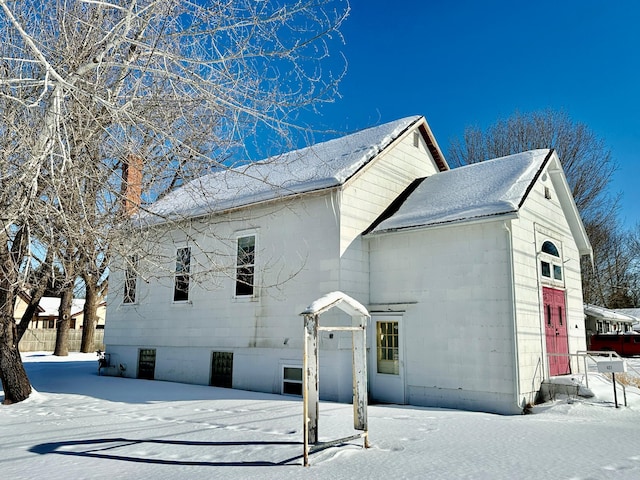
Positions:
{"x": 78, "y": 425}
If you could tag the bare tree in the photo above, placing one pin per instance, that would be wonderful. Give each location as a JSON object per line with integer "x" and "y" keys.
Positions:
{"x": 588, "y": 166}
{"x": 586, "y": 160}
{"x": 42, "y": 278}
{"x": 613, "y": 281}
{"x": 185, "y": 86}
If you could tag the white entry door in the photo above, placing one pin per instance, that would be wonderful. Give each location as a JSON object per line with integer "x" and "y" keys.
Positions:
{"x": 386, "y": 363}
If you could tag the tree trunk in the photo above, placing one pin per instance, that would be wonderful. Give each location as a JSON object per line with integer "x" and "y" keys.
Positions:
{"x": 90, "y": 316}
{"x": 36, "y": 295}
{"x": 64, "y": 314}
{"x": 30, "y": 311}
{"x": 13, "y": 376}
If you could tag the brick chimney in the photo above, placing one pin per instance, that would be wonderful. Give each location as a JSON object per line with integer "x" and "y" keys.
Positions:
{"x": 132, "y": 184}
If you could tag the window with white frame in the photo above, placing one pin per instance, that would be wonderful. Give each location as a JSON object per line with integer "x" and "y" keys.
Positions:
{"x": 131, "y": 281}
{"x": 291, "y": 380}
{"x": 388, "y": 347}
{"x": 182, "y": 274}
{"x": 551, "y": 263}
{"x": 245, "y": 266}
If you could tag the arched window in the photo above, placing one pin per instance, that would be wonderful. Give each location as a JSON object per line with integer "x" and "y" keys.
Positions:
{"x": 550, "y": 248}
{"x": 550, "y": 263}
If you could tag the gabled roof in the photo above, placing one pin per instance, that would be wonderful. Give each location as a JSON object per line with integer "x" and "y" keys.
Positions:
{"x": 25, "y": 297}
{"x": 631, "y": 312}
{"x": 336, "y": 299}
{"x": 480, "y": 191}
{"x": 51, "y": 305}
{"x": 321, "y": 166}
{"x": 485, "y": 189}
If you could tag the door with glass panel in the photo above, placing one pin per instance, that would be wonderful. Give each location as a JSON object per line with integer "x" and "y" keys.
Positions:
{"x": 386, "y": 363}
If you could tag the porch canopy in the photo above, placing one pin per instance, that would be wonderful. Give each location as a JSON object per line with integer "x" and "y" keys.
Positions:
{"x": 310, "y": 390}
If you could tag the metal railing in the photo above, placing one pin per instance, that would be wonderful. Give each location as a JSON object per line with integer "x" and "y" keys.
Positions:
{"x": 595, "y": 356}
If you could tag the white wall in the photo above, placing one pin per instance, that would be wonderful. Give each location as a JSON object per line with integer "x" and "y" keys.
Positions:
{"x": 366, "y": 196}
{"x": 455, "y": 283}
{"x": 307, "y": 246}
{"x": 542, "y": 219}
{"x": 297, "y": 262}
{"x": 457, "y": 322}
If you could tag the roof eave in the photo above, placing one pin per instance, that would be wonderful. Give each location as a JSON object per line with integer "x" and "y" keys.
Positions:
{"x": 502, "y": 216}
{"x": 432, "y": 145}
{"x": 568, "y": 204}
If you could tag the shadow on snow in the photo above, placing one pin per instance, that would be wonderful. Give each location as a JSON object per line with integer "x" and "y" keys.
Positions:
{"x": 102, "y": 447}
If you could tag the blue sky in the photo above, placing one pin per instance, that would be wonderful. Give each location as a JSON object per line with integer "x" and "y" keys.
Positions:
{"x": 462, "y": 63}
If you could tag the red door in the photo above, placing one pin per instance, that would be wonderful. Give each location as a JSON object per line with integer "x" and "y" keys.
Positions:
{"x": 556, "y": 331}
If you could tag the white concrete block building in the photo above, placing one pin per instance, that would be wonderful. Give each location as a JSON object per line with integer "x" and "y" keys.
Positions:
{"x": 471, "y": 275}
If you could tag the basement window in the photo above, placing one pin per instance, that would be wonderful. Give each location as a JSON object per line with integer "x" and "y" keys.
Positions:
{"x": 222, "y": 369}
{"x": 292, "y": 381}
{"x": 147, "y": 363}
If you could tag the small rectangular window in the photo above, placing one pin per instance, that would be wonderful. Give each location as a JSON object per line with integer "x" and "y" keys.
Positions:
{"x": 222, "y": 369}
{"x": 292, "y": 381}
{"x": 388, "y": 348}
{"x": 183, "y": 270}
{"x": 130, "y": 281}
{"x": 245, "y": 265}
{"x": 546, "y": 269}
{"x": 547, "y": 312}
{"x": 147, "y": 363}
{"x": 557, "y": 272}
{"x": 416, "y": 139}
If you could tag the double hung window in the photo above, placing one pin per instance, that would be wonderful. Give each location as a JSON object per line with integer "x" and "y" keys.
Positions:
{"x": 245, "y": 266}
{"x": 551, "y": 263}
{"x": 388, "y": 347}
{"x": 131, "y": 281}
{"x": 183, "y": 271}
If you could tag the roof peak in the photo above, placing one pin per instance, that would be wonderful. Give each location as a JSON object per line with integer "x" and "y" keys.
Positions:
{"x": 319, "y": 166}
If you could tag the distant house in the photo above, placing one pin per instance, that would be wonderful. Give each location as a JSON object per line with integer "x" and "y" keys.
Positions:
{"x": 48, "y": 314}
{"x": 634, "y": 313}
{"x": 471, "y": 275}
{"x": 51, "y": 305}
{"x": 22, "y": 301}
{"x": 604, "y": 320}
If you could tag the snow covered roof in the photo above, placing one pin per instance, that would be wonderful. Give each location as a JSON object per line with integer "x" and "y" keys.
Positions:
{"x": 602, "y": 313}
{"x": 632, "y": 312}
{"x": 50, "y": 306}
{"x": 317, "y": 167}
{"x": 336, "y": 299}
{"x": 494, "y": 187}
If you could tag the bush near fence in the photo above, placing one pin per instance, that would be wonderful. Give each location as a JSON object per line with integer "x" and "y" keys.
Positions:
{"x": 44, "y": 340}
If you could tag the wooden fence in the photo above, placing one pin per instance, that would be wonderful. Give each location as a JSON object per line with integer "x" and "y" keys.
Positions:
{"x": 44, "y": 340}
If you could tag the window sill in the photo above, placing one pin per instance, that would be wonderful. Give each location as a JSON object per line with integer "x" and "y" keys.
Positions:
{"x": 246, "y": 298}
{"x": 182, "y": 302}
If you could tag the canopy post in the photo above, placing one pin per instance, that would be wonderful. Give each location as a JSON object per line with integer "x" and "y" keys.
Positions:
{"x": 310, "y": 383}
{"x": 359, "y": 374}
